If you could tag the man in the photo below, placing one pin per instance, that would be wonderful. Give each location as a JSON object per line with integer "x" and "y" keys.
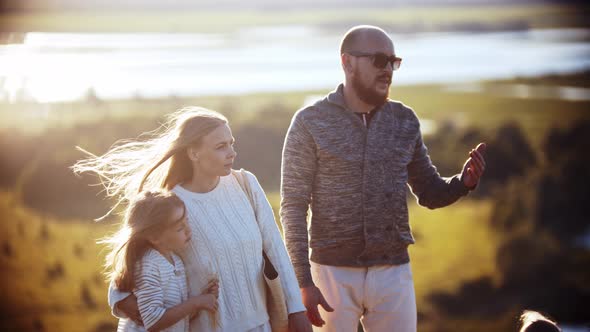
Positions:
{"x": 350, "y": 156}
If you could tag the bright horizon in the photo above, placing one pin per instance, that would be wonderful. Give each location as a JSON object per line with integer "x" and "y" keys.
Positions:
{"x": 53, "y": 67}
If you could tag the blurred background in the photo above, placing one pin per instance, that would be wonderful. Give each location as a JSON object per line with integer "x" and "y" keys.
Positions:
{"x": 514, "y": 74}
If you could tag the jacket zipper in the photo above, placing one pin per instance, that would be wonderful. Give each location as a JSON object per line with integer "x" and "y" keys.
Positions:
{"x": 363, "y": 200}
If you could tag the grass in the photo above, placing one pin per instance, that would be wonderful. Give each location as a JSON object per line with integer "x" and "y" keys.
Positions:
{"x": 453, "y": 245}
{"x": 52, "y": 271}
{"x": 429, "y": 18}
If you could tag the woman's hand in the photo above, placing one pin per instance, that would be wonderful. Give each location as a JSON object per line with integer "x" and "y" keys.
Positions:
{"x": 128, "y": 306}
{"x": 298, "y": 322}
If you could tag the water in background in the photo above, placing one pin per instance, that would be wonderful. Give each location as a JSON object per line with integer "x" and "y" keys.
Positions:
{"x": 51, "y": 67}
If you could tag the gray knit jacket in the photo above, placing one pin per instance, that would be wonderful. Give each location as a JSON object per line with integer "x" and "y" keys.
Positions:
{"x": 355, "y": 180}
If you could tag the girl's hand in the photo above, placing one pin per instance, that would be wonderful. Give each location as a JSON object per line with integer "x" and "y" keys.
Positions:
{"x": 205, "y": 302}
{"x": 212, "y": 288}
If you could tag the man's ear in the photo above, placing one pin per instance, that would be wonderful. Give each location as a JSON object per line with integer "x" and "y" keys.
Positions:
{"x": 346, "y": 61}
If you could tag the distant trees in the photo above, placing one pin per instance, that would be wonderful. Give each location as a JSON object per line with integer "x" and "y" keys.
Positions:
{"x": 564, "y": 187}
{"x": 540, "y": 209}
{"x": 16, "y": 151}
{"x": 508, "y": 153}
{"x": 553, "y": 197}
{"x": 260, "y": 144}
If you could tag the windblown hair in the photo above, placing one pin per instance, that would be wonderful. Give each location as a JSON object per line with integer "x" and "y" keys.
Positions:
{"x": 147, "y": 215}
{"x": 533, "y": 321}
{"x": 154, "y": 160}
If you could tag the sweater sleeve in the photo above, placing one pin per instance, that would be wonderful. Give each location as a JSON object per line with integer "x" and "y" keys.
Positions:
{"x": 274, "y": 247}
{"x": 298, "y": 170}
{"x": 149, "y": 292}
{"x": 432, "y": 190}
{"x": 114, "y": 297}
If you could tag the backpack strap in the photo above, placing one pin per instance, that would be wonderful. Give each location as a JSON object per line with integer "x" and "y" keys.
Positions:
{"x": 245, "y": 185}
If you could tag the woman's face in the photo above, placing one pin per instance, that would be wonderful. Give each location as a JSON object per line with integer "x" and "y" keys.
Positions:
{"x": 215, "y": 155}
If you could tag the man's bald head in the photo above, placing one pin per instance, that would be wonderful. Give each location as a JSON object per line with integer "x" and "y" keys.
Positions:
{"x": 360, "y": 37}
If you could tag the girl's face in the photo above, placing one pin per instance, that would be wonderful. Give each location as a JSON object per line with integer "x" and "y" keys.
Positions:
{"x": 215, "y": 155}
{"x": 176, "y": 236}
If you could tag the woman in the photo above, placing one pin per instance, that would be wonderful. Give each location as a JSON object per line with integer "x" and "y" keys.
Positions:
{"x": 192, "y": 155}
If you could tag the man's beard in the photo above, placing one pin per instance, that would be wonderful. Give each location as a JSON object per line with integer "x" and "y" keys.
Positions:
{"x": 367, "y": 94}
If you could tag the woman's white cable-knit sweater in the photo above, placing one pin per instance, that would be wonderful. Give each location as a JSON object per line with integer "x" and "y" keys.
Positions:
{"x": 228, "y": 241}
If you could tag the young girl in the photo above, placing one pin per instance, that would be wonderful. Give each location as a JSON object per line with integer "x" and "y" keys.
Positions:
{"x": 143, "y": 260}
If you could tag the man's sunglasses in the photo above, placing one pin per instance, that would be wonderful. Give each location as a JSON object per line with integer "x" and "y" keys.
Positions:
{"x": 380, "y": 60}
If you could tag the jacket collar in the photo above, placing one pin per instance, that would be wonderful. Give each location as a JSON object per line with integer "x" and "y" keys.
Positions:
{"x": 336, "y": 97}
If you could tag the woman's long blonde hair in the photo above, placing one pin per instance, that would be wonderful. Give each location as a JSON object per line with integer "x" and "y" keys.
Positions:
{"x": 148, "y": 214}
{"x": 155, "y": 160}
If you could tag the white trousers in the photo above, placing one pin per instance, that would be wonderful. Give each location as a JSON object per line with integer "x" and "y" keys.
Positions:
{"x": 382, "y": 297}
